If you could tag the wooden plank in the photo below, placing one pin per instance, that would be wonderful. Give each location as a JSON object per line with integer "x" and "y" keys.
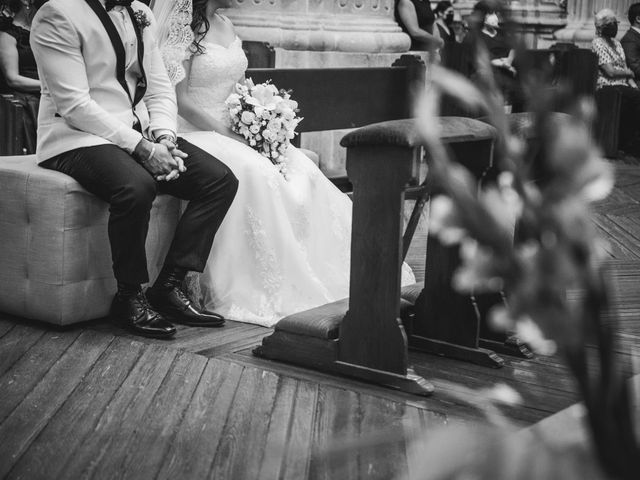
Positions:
{"x": 119, "y": 421}
{"x": 156, "y": 429}
{"x": 255, "y": 433}
{"x": 434, "y": 403}
{"x": 5, "y": 327}
{"x": 76, "y": 419}
{"x": 298, "y": 451}
{"x": 32, "y": 415}
{"x": 15, "y": 343}
{"x": 619, "y": 237}
{"x": 279, "y": 425}
{"x": 20, "y": 379}
{"x": 210, "y": 342}
{"x": 387, "y": 460}
{"x": 192, "y": 451}
{"x": 240, "y": 341}
{"x": 337, "y": 421}
{"x": 231, "y": 446}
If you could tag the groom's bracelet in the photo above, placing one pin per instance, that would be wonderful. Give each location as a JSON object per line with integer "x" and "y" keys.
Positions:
{"x": 169, "y": 138}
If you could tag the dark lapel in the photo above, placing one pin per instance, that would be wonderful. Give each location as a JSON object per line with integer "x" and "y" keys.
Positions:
{"x": 116, "y": 41}
{"x": 141, "y": 87}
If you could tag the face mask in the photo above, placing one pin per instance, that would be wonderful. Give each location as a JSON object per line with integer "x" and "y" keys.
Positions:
{"x": 448, "y": 18}
{"x": 609, "y": 30}
{"x": 491, "y": 20}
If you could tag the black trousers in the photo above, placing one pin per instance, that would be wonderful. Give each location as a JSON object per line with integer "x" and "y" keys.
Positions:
{"x": 113, "y": 175}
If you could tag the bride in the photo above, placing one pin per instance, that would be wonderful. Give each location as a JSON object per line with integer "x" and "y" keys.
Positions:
{"x": 284, "y": 245}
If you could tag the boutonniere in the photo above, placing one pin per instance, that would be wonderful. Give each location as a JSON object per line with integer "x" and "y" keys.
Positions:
{"x": 141, "y": 19}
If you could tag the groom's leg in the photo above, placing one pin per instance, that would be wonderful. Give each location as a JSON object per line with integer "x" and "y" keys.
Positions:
{"x": 210, "y": 187}
{"x": 111, "y": 174}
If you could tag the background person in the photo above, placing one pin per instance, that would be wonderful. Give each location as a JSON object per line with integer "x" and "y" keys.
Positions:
{"x": 416, "y": 19}
{"x": 19, "y": 73}
{"x": 613, "y": 73}
{"x": 631, "y": 41}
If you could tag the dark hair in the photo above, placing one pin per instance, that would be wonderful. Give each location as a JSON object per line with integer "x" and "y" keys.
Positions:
{"x": 14, "y": 6}
{"x": 488, "y": 6}
{"x": 634, "y": 12}
{"x": 442, "y": 6}
{"x": 199, "y": 24}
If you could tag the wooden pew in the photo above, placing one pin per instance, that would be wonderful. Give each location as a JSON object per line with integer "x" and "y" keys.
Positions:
{"x": 362, "y": 336}
{"x": 11, "y": 125}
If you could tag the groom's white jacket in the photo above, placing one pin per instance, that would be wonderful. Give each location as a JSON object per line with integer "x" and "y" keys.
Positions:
{"x": 82, "y": 102}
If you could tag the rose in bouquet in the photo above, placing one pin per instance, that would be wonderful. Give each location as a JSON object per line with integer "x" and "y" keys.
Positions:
{"x": 266, "y": 117}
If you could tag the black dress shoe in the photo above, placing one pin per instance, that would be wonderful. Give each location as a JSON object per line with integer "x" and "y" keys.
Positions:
{"x": 134, "y": 312}
{"x": 176, "y": 306}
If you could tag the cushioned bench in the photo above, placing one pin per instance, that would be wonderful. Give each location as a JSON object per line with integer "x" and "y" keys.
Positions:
{"x": 55, "y": 261}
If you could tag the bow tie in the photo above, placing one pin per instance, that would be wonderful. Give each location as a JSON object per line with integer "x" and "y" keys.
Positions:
{"x": 117, "y": 3}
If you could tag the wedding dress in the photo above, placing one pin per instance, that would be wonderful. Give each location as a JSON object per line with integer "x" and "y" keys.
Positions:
{"x": 284, "y": 245}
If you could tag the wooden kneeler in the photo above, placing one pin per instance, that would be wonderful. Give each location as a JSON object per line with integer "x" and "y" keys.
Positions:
{"x": 363, "y": 336}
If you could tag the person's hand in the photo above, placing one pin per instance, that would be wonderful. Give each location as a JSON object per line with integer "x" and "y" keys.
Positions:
{"x": 157, "y": 160}
{"x": 178, "y": 156}
{"x": 437, "y": 42}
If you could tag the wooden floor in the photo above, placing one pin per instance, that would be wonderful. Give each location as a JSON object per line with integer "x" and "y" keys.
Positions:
{"x": 94, "y": 401}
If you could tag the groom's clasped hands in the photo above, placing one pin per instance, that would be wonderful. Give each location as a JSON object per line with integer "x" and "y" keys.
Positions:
{"x": 163, "y": 160}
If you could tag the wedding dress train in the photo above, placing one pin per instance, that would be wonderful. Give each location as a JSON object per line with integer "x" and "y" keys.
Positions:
{"x": 284, "y": 245}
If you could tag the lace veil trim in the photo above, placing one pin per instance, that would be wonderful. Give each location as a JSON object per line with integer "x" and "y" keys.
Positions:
{"x": 174, "y": 34}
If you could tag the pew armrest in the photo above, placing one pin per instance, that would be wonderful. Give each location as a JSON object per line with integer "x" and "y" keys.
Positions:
{"x": 404, "y": 133}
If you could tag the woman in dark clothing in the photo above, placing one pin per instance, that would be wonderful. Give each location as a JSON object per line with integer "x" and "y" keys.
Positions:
{"x": 443, "y": 26}
{"x": 486, "y": 31}
{"x": 19, "y": 74}
{"x": 416, "y": 20}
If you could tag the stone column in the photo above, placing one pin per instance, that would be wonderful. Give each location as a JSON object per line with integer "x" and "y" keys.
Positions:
{"x": 580, "y": 28}
{"x": 331, "y": 33}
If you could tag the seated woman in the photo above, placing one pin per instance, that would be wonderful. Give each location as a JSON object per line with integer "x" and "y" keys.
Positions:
{"x": 416, "y": 19}
{"x": 17, "y": 65}
{"x": 613, "y": 73}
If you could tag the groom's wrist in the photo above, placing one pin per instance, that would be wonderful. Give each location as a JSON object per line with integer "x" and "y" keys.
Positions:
{"x": 143, "y": 151}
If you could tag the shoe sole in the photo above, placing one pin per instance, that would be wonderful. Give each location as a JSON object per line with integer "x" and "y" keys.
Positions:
{"x": 159, "y": 336}
{"x": 175, "y": 319}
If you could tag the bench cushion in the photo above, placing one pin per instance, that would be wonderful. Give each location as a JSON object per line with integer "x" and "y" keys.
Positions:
{"x": 55, "y": 257}
{"x": 322, "y": 322}
{"x": 404, "y": 133}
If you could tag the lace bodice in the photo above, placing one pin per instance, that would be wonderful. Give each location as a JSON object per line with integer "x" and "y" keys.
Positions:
{"x": 213, "y": 75}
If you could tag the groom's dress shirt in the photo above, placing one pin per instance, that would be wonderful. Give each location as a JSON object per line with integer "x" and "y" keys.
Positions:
{"x": 122, "y": 21}
{"x": 82, "y": 102}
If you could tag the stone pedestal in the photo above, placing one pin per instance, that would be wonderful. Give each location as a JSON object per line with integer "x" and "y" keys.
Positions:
{"x": 580, "y": 28}
{"x": 360, "y": 32}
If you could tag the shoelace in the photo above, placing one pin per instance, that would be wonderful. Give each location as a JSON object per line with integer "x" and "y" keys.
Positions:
{"x": 183, "y": 296}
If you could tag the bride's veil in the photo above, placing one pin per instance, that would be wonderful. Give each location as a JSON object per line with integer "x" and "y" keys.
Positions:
{"x": 173, "y": 18}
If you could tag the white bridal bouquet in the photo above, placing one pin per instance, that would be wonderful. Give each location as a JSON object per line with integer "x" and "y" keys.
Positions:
{"x": 266, "y": 117}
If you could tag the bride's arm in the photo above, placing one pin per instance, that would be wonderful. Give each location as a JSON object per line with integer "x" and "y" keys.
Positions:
{"x": 193, "y": 113}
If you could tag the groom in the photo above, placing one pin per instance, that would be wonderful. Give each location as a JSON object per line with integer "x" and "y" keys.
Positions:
{"x": 108, "y": 119}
